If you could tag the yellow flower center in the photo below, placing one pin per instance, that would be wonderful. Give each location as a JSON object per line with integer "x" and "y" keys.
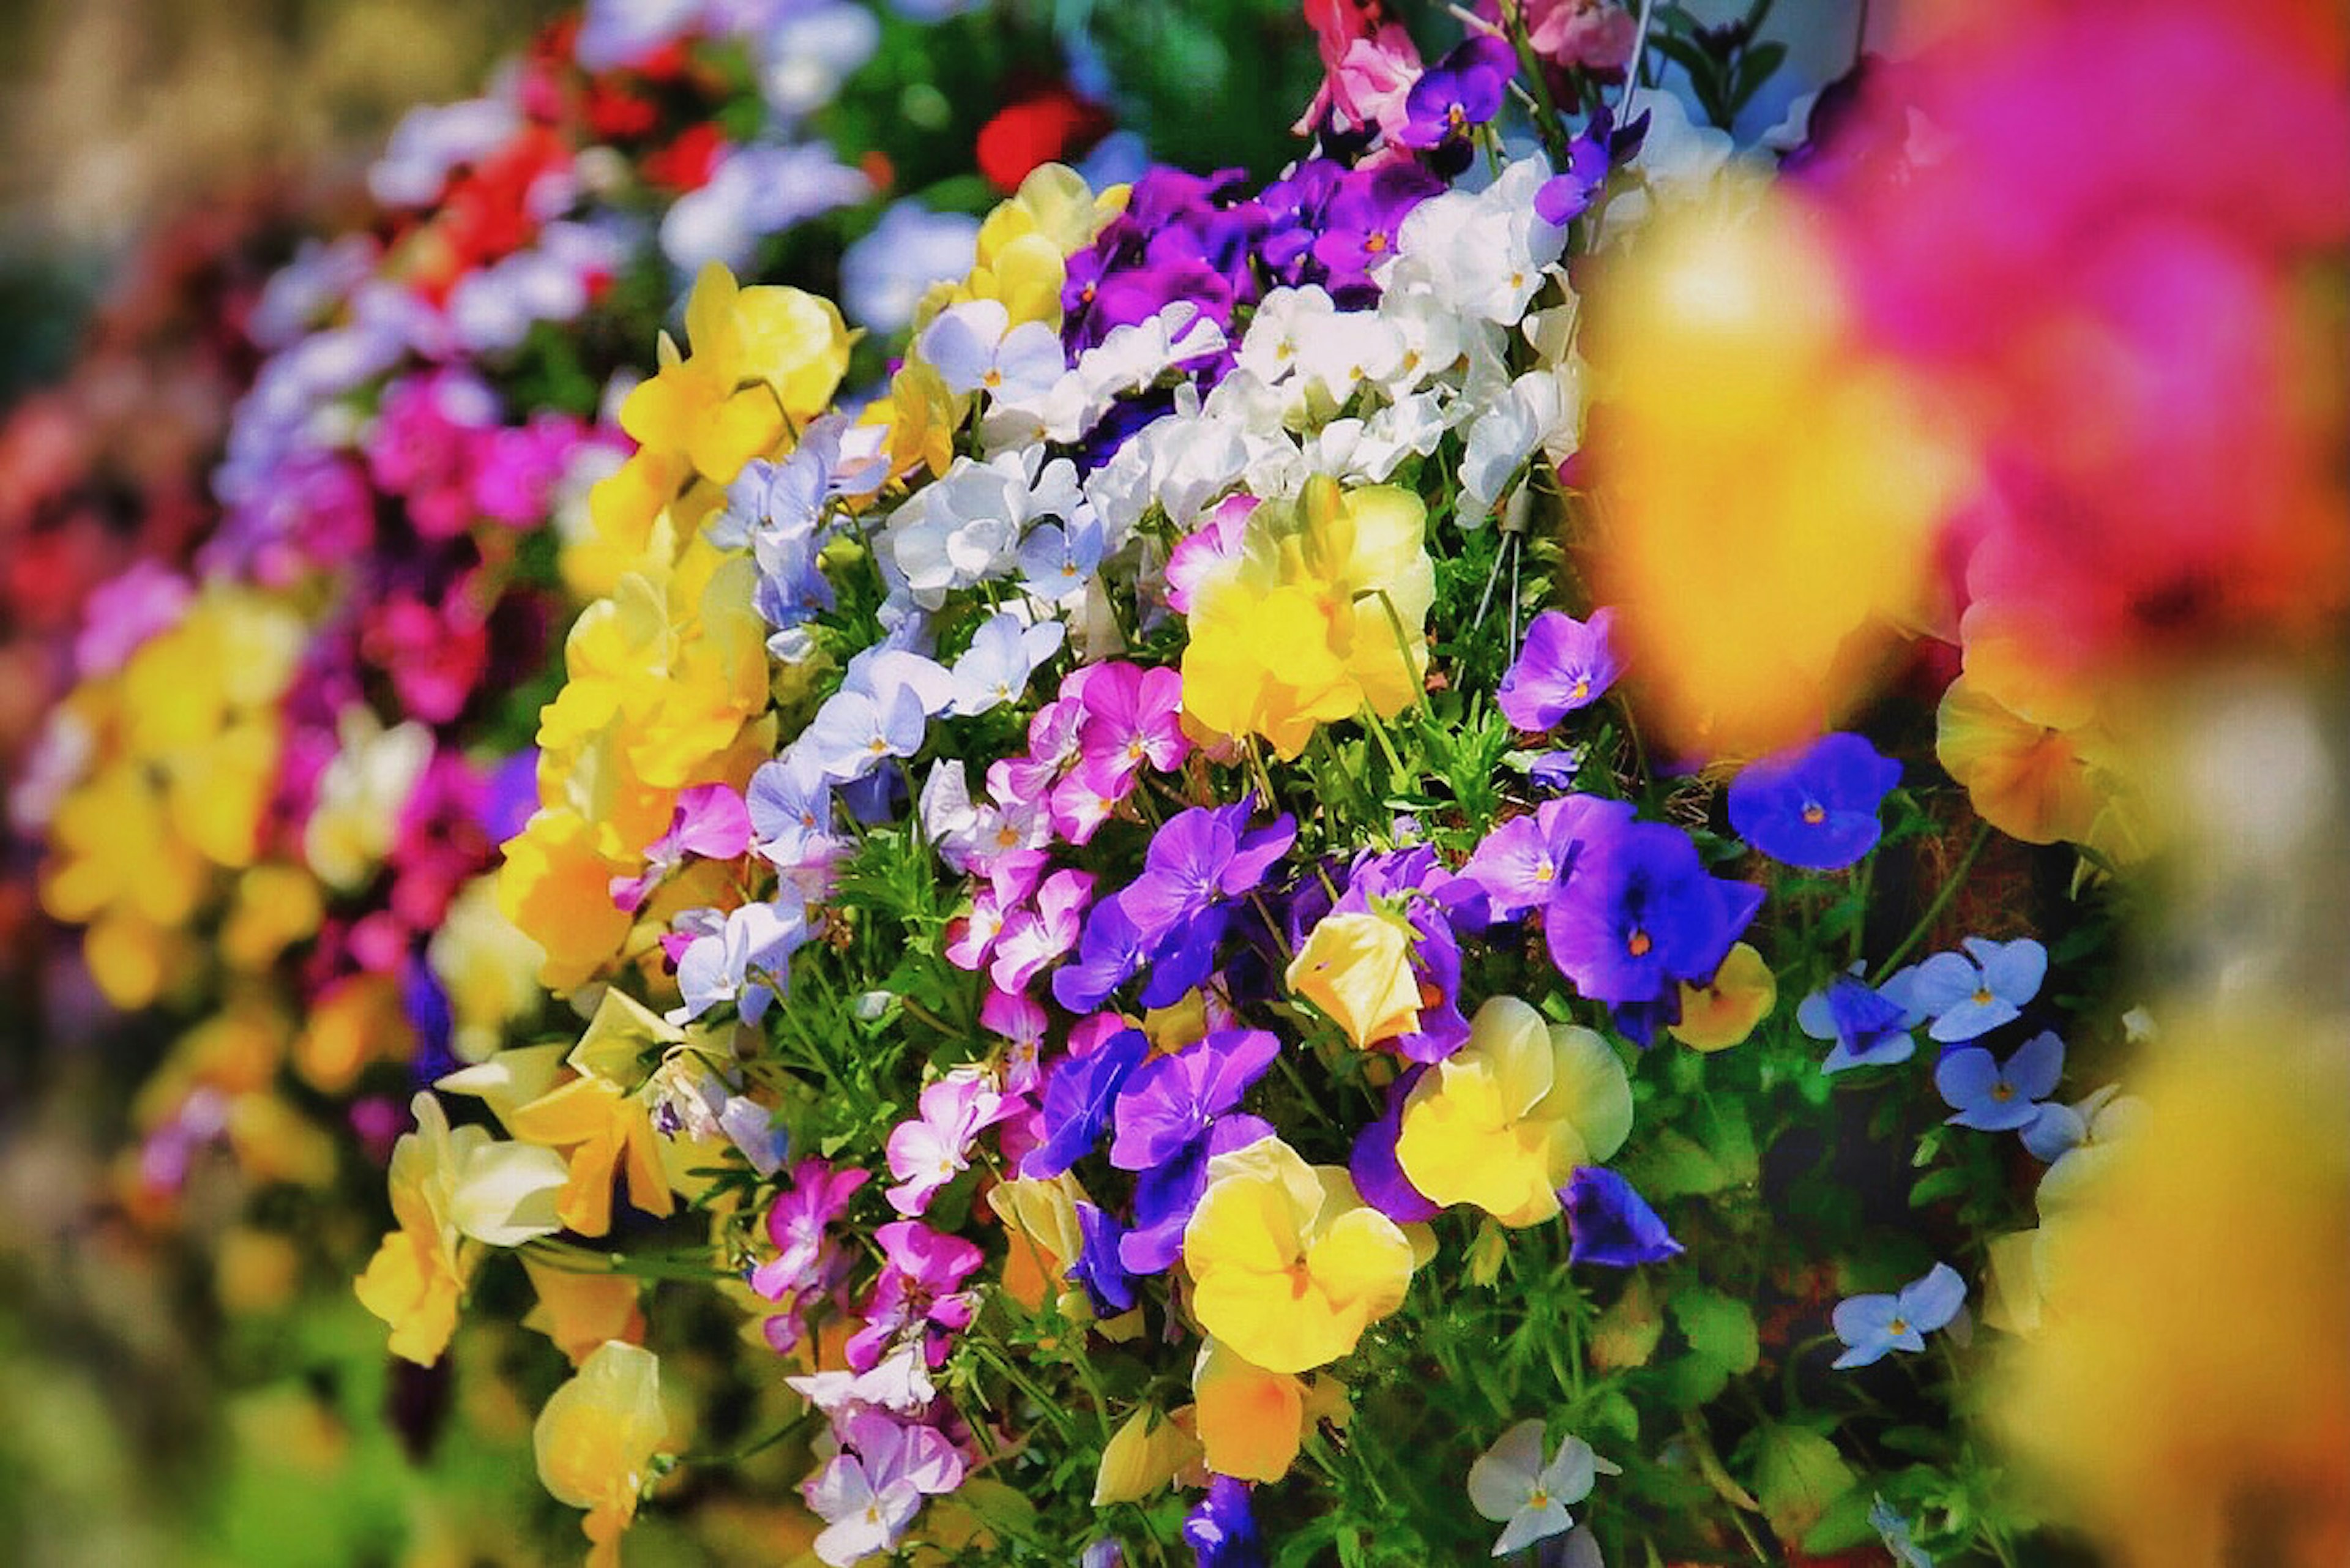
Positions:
{"x": 1813, "y": 814}
{"x": 1638, "y": 945}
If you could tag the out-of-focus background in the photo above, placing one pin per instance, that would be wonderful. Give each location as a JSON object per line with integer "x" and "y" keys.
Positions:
{"x": 158, "y": 158}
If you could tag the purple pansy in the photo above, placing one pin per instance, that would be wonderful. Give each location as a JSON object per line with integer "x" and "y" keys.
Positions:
{"x": 1521, "y": 865}
{"x": 1462, "y": 89}
{"x": 1221, "y": 1531}
{"x": 1379, "y": 1175}
{"x": 1641, "y": 914}
{"x": 1077, "y": 1100}
{"x": 1166, "y": 1194}
{"x": 1567, "y": 664}
{"x": 1169, "y": 1103}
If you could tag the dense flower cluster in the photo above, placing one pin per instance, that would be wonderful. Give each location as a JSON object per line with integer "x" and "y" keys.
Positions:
{"x": 1286, "y": 874}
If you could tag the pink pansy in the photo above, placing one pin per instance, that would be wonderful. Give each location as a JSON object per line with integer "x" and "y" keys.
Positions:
{"x": 122, "y": 613}
{"x": 972, "y": 938}
{"x": 1366, "y": 73}
{"x": 1132, "y": 718}
{"x": 870, "y": 1491}
{"x": 918, "y": 1296}
{"x": 522, "y": 465}
{"x": 806, "y": 1265}
{"x": 1088, "y": 797}
{"x": 710, "y": 822}
{"x": 1020, "y": 1020}
{"x": 928, "y": 1150}
{"x": 1033, "y": 937}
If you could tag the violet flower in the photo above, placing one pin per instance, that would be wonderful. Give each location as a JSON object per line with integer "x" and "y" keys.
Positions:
{"x": 1521, "y": 865}
{"x": 710, "y": 821}
{"x": 1641, "y": 914}
{"x": 1078, "y": 1097}
{"x": 933, "y": 1147}
{"x": 1610, "y": 1224}
{"x": 1565, "y": 664}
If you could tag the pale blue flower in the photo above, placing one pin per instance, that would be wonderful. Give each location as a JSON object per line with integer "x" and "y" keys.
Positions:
{"x": 1969, "y": 994}
{"x": 1002, "y": 655}
{"x": 1992, "y": 1096}
{"x": 1872, "y": 1325}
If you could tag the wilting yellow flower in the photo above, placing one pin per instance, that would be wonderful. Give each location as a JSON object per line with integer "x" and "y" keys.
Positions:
{"x": 1729, "y": 384}
{"x": 760, "y": 356}
{"x": 1041, "y": 1218}
{"x": 1724, "y": 1011}
{"x": 1323, "y": 612}
{"x": 1288, "y": 1264}
{"x": 596, "y": 1439}
{"x": 2186, "y": 1395}
{"x": 449, "y": 1188}
{"x": 1503, "y": 1121}
{"x": 1142, "y": 1457}
{"x": 1356, "y": 968}
{"x": 603, "y": 1128}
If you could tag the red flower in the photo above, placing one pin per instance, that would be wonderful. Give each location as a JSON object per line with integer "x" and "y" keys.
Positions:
{"x": 1043, "y": 127}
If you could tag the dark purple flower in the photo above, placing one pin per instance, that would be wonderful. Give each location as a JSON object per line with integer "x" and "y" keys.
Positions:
{"x": 1168, "y": 1104}
{"x": 1078, "y": 1099}
{"x": 1611, "y": 1224}
{"x": 1364, "y": 217}
{"x": 1815, "y": 807}
{"x": 1462, "y": 89}
{"x": 1201, "y": 856}
{"x": 1379, "y": 1175}
{"x": 1110, "y": 949}
{"x": 1565, "y": 664}
{"x": 1640, "y": 914}
{"x": 1564, "y": 196}
{"x": 1557, "y": 771}
{"x": 1165, "y": 1194}
{"x": 1221, "y": 1531}
{"x": 1106, "y": 1283}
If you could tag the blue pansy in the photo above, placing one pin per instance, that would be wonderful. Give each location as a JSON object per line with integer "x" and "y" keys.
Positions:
{"x": 1610, "y": 1224}
{"x": 1969, "y": 994}
{"x": 1992, "y": 1096}
{"x": 1868, "y": 1028}
{"x": 1815, "y": 807}
{"x": 1873, "y": 1325}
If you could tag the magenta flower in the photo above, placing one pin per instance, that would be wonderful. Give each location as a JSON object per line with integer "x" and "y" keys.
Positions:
{"x": 1565, "y": 664}
{"x": 1035, "y": 935}
{"x": 919, "y": 1296}
{"x": 1132, "y": 717}
{"x": 1205, "y": 548}
{"x": 972, "y": 938}
{"x": 807, "y": 1263}
{"x": 711, "y": 821}
{"x": 928, "y": 1150}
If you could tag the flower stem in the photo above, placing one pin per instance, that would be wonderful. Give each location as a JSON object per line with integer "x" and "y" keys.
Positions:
{"x": 1934, "y": 911}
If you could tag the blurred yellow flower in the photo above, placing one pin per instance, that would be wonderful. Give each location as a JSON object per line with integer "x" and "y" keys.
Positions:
{"x": 596, "y": 1439}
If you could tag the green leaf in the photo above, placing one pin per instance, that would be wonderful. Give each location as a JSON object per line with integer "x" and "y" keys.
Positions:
{"x": 1844, "y": 1526}
{"x": 1628, "y": 1332}
{"x": 1798, "y": 1477}
{"x": 1675, "y": 1166}
{"x": 1936, "y": 1185}
{"x": 1718, "y": 1328}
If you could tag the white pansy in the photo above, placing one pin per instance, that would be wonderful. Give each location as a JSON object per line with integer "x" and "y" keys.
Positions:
{"x": 1513, "y": 1486}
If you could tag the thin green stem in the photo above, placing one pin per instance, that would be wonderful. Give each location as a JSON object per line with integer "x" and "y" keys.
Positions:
{"x": 1951, "y": 884}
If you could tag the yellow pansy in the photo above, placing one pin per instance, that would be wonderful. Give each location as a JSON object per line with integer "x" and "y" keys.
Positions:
{"x": 760, "y": 357}
{"x": 360, "y": 795}
{"x": 1288, "y": 1264}
{"x": 1251, "y": 1421}
{"x": 597, "y": 1439}
{"x": 557, "y": 889}
{"x": 1356, "y": 968}
{"x": 1503, "y": 1121}
{"x": 1724, "y": 1011}
{"x": 2032, "y": 781}
{"x": 1323, "y": 612}
{"x": 274, "y": 906}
